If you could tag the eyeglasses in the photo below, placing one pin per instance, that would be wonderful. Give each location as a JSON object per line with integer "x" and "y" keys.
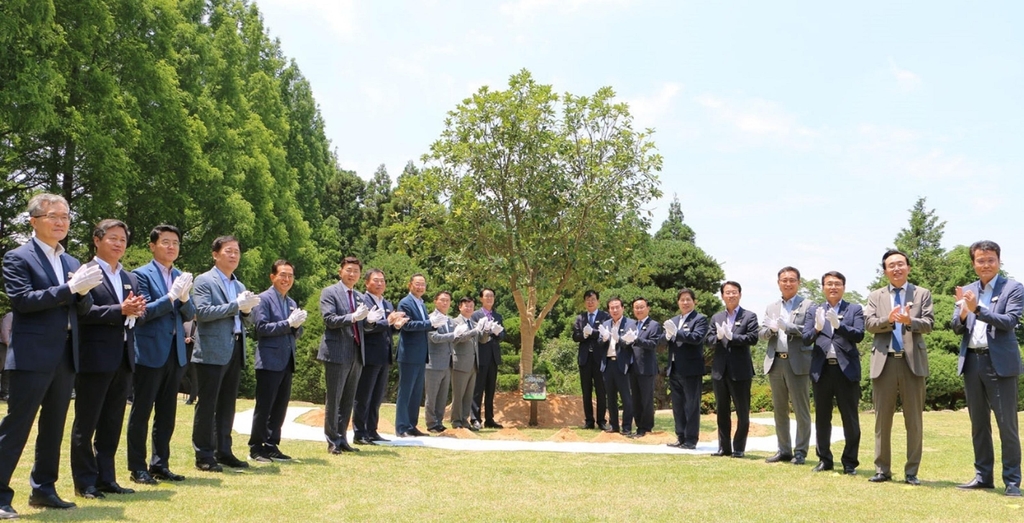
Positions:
{"x": 788, "y": 280}
{"x": 54, "y": 217}
{"x": 169, "y": 243}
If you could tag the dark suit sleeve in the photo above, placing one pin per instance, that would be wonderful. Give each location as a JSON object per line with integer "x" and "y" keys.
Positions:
{"x": 748, "y": 333}
{"x": 810, "y": 333}
{"x": 412, "y": 325}
{"x": 24, "y": 297}
{"x": 852, "y": 331}
{"x": 266, "y": 326}
{"x": 109, "y": 314}
{"x": 577, "y": 328}
{"x": 1010, "y": 317}
{"x": 697, "y": 333}
{"x": 649, "y": 340}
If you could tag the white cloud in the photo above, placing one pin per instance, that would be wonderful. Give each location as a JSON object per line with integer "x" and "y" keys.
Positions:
{"x": 906, "y": 80}
{"x": 758, "y": 119}
{"x": 649, "y": 110}
{"x": 525, "y": 10}
{"x": 339, "y": 15}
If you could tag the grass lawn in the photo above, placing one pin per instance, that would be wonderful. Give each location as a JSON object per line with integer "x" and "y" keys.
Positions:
{"x": 422, "y": 484}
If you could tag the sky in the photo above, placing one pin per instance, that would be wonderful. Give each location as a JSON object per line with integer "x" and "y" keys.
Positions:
{"x": 793, "y": 133}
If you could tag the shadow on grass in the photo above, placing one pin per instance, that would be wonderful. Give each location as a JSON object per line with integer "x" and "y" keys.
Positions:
{"x": 200, "y": 481}
{"x": 105, "y": 513}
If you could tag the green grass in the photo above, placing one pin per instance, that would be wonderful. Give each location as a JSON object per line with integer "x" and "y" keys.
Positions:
{"x": 403, "y": 484}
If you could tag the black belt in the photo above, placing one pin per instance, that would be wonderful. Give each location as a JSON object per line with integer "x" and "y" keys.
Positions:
{"x": 978, "y": 350}
{"x": 611, "y": 358}
{"x": 783, "y": 355}
{"x": 237, "y": 336}
{"x": 894, "y": 354}
{"x": 833, "y": 361}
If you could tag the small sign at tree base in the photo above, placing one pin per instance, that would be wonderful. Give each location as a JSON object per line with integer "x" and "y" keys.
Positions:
{"x": 535, "y": 387}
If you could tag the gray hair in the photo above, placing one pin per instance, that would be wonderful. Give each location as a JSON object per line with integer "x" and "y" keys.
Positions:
{"x": 36, "y": 204}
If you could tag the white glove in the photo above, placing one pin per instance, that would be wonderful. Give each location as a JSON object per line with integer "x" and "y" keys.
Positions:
{"x": 819, "y": 319}
{"x": 629, "y": 336}
{"x": 360, "y": 313}
{"x": 772, "y": 323}
{"x": 587, "y": 330}
{"x": 375, "y": 315}
{"x": 496, "y": 328}
{"x": 671, "y": 329}
{"x": 87, "y": 277}
{"x": 130, "y": 322}
{"x": 296, "y": 317}
{"x": 461, "y": 329}
{"x": 728, "y": 331}
{"x": 720, "y": 330}
{"x": 302, "y": 319}
{"x": 437, "y": 320}
{"x": 483, "y": 325}
{"x": 785, "y": 321}
{"x": 832, "y": 318}
{"x": 603, "y": 333}
{"x": 246, "y": 301}
{"x": 180, "y": 287}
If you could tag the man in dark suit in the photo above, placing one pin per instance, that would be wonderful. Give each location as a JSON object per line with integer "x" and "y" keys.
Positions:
{"x": 616, "y": 337}
{"x": 899, "y": 315}
{"x": 787, "y": 363}
{"x": 437, "y": 380}
{"x": 584, "y": 332}
{"x": 160, "y": 357}
{"x": 47, "y": 291}
{"x": 412, "y": 359}
{"x": 835, "y": 328}
{"x": 278, "y": 324}
{"x": 645, "y": 367}
{"x": 490, "y": 359}
{"x": 731, "y": 335}
{"x": 379, "y": 328}
{"x": 986, "y": 316}
{"x": 107, "y": 361}
{"x": 223, "y": 308}
{"x": 685, "y": 335}
{"x": 341, "y": 352}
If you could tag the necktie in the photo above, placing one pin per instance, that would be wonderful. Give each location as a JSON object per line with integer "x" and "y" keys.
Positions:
{"x": 590, "y": 319}
{"x": 352, "y": 307}
{"x": 827, "y": 329}
{"x": 897, "y": 330}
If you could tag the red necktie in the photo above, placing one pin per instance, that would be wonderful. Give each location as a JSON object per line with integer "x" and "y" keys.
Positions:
{"x": 352, "y": 307}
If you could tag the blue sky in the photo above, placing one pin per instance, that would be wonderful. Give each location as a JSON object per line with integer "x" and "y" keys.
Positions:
{"x": 793, "y": 133}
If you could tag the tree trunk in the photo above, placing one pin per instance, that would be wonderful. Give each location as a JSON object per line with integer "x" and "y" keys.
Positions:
{"x": 527, "y": 334}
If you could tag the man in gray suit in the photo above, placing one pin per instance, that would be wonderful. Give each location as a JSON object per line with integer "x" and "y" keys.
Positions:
{"x": 986, "y": 315}
{"x": 222, "y": 312}
{"x": 898, "y": 315}
{"x": 469, "y": 334}
{"x": 787, "y": 363}
{"x": 341, "y": 351}
{"x": 438, "y": 378}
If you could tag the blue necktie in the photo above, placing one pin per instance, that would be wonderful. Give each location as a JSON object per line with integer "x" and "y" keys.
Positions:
{"x": 591, "y": 319}
{"x": 897, "y": 331}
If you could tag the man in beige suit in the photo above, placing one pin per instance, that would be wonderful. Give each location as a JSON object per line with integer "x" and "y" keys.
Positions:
{"x": 898, "y": 315}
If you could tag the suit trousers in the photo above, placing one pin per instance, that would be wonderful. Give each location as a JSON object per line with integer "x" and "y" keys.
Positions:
{"x": 483, "y": 393}
{"x": 463, "y": 384}
{"x": 373, "y": 384}
{"x": 273, "y": 391}
{"x": 616, "y": 385}
{"x": 437, "y": 383}
{"x": 341, "y": 380}
{"x": 410, "y": 395}
{"x": 734, "y": 394}
{"x": 215, "y": 410}
{"x": 685, "y": 392}
{"x": 641, "y": 388}
{"x": 156, "y": 392}
{"x": 49, "y": 395}
{"x": 895, "y": 380}
{"x": 100, "y": 401}
{"x": 592, "y": 383}
{"x": 789, "y": 387}
{"x": 988, "y": 392}
{"x": 833, "y": 389}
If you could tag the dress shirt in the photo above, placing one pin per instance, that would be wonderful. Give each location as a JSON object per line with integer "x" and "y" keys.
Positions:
{"x": 979, "y": 336}
{"x": 53, "y": 256}
{"x": 611, "y": 341}
{"x": 831, "y": 347}
{"x": 232, "y": 293}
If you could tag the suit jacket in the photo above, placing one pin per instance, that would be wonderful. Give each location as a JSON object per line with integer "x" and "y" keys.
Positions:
{"x": 623, "y": 351}
{"x": 799, "y": 352}
{"x": 844, "y": 339}
{"x": 440, "y": 347}
{"x": 734, "y": 354}
{"x": 876, "y": 321}
{"x": 589, "y": 345}
{"x": 104, "y": 336}
{"x": 1002, "y": 317}
{"x": 215, "y": 315}
{"x": 412, "y": 340}
{"x": 645, "y": 348}
{"x": 164, "y": 320}
{"x": 686, "y": 349}
{"x": 466, "y": 347}
{"x": 378, "y": 338}
{"x": 338, "y": 344}
{"x": 490, "y": 350}
{"x": 43, "y": 309}
{"x": 275, "y": 339}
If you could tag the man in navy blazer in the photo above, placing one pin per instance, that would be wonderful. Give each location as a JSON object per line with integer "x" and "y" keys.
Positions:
{"x": 412, "y": 358}
{"x": 616, "y": 337}
{"x": 278, "y": 324}
{"x": 584, "y": 332}
{"x": 107, "y": 360}
{"x": 732, "y": 333}
{"x": 645, "y": 366}
{"x": 835, "y": 328}
{"x": 490, "y": 360}
{"x": 223, "y": 308}
{"x": 378, "y": 338}
{"x": 342, "y": 352}
{"x": 43, "y": 354}
{"x": 159, "y": 356}
{"x": 986, "y": 316}
{"x": 685, "y": 338}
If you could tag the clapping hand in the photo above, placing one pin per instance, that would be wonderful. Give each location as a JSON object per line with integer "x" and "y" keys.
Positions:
{"x": 297, "y": 318}
{"x": 670, "y": 329}
{"x": 832, "y": 318}
{"x": 360, "y": 313}
{"x": 375, "y": 315}
{"x": 819, "y": 319}
{"x": 603, "y": 332}
{"x": 461, "y": 329}
{"x": 630, "y": 336}
{"x": 587, "y": 330}
{"x": 179, "y": 289}
{"x": 85, "y": 279}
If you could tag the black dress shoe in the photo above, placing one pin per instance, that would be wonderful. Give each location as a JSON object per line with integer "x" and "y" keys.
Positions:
{"x": 880, "y": 478}
{"x": 976, "y": 483}
{"x": 49, "y": 501}
{"x": 143, "y": 477}
{"x": 688, "y": 446}
{"x": 821, "y": 467}
{"x": 437, "y": 429}
{"x": 8, "y": 512}
{"x": 739, "y": 454}
{"x": 849, "y": 471}
{"x": 333, "y": 450}
{"x": 493, "y": 425}
{"x": 475, "y": 425}
{"x": 588, "y": 426}
{"x": 208, "y": 466}
{"x": 364, "y": 441}
{"x": 89, "y": 492}
{"x": 1013, "y": 491}
{"x": 603, "y": 426}
{"x": 721, "y": 453}
{"x": 260, "y": 456}
{"x": 275, "y": 454}
{"x": 377, "y": 437}
{"x": 675, "y": 445}
{"x": 912, "y": 480}
{"x": 114, "y": 488}
{"x": 231, "y": 461}
{"x": 610, "y": 430}
{"x": 404, "y": 435}
{"x": 798, "y": 459}
{"x": 777, "y": 457}
{"x": 165, "y": 474}
{"x": 417, "y": 432}
{"x": 345, "y": 447}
